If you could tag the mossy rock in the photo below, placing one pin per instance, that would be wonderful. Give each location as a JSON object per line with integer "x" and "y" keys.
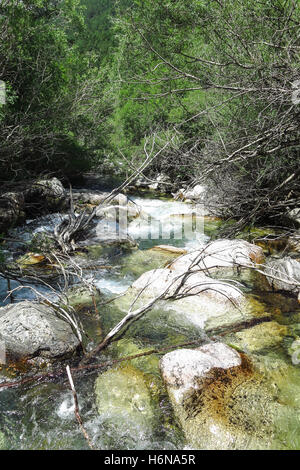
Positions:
{"x": 264, "y": 336}
{"x": 125, "y": 405}
{"x": 127, "y": 347}
{"x": 80, "y": 296}
{"x": 139, "y": 261}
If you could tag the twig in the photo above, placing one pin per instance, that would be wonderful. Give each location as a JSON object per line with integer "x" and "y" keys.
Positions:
{"x": 76, "y": 409}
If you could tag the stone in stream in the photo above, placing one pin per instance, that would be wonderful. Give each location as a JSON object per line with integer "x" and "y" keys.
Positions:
{"x": 50, "y": 193}
{"x": 201, "y": 303}
{"x": 220, "y": 254}
{"x": 262, "y": 337}
{"x": 29, "y": 329}
{"x": 155, "y": 282}
{"x": 80, "y": 296}
{"x": 136, "y": 262}
{"x": 107, "y": 233}
{"x": 286, "y": 272}
{"x": 222, "y": 403}
{"x": 86, "y": 196}
{"x": 126, "y": 406}
{"x": 118, "y": 213}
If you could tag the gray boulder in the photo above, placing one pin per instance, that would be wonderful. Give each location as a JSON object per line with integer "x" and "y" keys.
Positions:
{"x": 119, "y": 213}
{"x": 184, "y": 369}
{"x": 285, "y": 274}
{"x": 11, "y": 210}
{"x": 220, "y": 254}
{"x": 31, "y": 329}
{"x": 49, "y": 192}
{"x": 84, "y": 196}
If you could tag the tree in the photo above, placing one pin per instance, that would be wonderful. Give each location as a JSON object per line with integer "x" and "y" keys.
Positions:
{"x": 50, "y": 88}
{"x": 221, "y": 75}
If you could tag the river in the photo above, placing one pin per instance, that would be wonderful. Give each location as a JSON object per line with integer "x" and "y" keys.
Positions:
{"x": 121, "y": 414}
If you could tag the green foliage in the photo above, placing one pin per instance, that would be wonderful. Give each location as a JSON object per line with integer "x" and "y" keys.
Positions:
{"x": 90, "y": 81}
{"x": 45, "y": 77}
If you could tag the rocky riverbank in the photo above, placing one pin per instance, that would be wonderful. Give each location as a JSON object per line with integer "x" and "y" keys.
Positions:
{"x": 236, "y": 388}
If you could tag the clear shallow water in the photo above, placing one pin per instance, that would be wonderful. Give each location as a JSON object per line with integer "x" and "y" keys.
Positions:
{"x": 40, "y": 416}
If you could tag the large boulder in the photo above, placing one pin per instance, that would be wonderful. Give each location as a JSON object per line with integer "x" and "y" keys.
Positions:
{"x": 201, "y": 303}
{"x": 108, "y": 232}
{"x": 223, "y": 403}
{"x": 125, "y": 405}
{"x": 220, "y": 254}
{"x": 198, "y": 382}
{"x": 119, "y": 213}
{"x": 11, "y": 210}
{"x": 186, "y": 369}
{"x": 284, "y": 274}
{"x": 157, "y": 281}
{"x": 29, "y": 329}
{"x": 46, "y": 194}
{"x": 94, "y": 198}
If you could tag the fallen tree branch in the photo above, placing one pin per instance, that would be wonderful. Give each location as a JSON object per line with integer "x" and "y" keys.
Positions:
{"x": 94, "y": 367}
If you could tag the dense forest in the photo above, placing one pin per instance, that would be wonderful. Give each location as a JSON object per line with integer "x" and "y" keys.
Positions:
{"x": 212, "y": 82}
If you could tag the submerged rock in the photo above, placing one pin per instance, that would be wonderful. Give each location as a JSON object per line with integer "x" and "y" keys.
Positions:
{"x": 125, "y": 405}
{"x": 286, "y": 274}
{"x": 126, "y": 347}
{"x": 30, "y": 329}
{"x": 80, "y": 296}
{"x": 264, "y": 336}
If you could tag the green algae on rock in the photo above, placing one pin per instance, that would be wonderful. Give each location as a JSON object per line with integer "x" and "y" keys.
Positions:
{"x": 125, "y": 404}
{"x": 260, "y": 337}
{"x": 233, "y": 406}
{"x": 80, "y": 296}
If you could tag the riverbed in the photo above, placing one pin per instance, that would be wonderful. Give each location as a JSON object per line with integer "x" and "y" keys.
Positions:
{"x": 126, "y": 405}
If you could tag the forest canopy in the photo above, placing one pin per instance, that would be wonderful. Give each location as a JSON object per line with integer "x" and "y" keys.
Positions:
{"x": 89, "y": 82}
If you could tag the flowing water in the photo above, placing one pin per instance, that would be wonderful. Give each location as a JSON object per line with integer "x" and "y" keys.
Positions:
{"x": 126, "y": 406}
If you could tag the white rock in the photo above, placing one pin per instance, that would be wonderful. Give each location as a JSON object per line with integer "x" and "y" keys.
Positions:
{"x": 287, "y": 274}
{"x": 220, "y": 253}
{"x": 183, "y": 369}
